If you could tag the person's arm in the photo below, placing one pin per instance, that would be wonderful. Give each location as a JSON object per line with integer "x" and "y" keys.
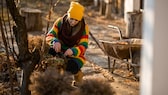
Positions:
{"x": 52, "y": 35}
{"x": 83, "y": 43}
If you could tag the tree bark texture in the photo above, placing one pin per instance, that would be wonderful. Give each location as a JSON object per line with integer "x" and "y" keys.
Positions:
{"x": 121, "y": 8}
{"x": 20, "y": 30}
{"x": 96, "y": 3}
{"x": 102, "y": 7}
{"x": 114, "y": 6}
{"x": 108, "y": 14}
{"x": 26, "y": 60}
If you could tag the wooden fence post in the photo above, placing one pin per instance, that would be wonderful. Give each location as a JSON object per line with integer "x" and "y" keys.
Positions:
{"x": 134, "y": 24}
{"x": 33, "y": 19}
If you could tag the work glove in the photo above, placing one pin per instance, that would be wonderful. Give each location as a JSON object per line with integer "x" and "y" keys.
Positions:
{"x": 52, "y": 52}
{"x": 72, "y": 66}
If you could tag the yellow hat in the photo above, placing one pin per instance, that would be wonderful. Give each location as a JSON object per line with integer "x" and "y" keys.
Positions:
{"x": 76, "y": 11}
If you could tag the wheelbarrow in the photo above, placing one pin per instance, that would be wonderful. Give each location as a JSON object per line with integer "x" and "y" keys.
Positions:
{"x": 123, "y": 50}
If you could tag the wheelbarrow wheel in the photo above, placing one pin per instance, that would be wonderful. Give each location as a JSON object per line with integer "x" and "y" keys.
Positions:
{"x": 136, "y": 69}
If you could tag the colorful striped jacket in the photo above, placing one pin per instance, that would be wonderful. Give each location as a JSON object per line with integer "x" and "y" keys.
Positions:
{"x": 78, "y": 50}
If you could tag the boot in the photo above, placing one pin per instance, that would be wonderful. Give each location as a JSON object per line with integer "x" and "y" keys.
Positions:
{"x": 78, "y": 78}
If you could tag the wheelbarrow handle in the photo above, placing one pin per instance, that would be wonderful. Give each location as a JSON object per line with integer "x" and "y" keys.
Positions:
{"x": 118, "y": 30}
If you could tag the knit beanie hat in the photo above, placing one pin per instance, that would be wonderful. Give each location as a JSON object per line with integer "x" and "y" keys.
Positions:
{"x": 76, "y": 11}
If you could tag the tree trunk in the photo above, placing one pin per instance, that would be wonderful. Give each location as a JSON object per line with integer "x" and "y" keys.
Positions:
{"x": 114, "y": 6}
{"x": 33, "y": 19}
{"x": 121, "y": 8}
{"x": 28, "y": 68}
{"x": 108, "y": 10}
{"x": 96, "y": 3}
{"x": 102, "y": 7}
{"x": 134, "y": 25}
{"x": 26, "y": 60}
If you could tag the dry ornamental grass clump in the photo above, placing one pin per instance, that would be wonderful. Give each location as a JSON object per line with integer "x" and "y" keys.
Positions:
{"x": 36, "y": 42}
{"x": 51, "y": 82}
{"x": 94, "y": 86}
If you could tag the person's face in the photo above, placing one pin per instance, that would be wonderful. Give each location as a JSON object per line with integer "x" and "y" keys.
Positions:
{"x": 72, "y": 21}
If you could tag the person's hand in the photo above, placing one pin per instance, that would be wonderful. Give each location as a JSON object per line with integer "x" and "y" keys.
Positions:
{"x": 57, "y": 46}
{"x": 68, "y": 52}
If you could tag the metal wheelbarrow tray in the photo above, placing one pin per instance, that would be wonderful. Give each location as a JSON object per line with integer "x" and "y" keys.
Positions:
{"x": 123, "y": 49}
